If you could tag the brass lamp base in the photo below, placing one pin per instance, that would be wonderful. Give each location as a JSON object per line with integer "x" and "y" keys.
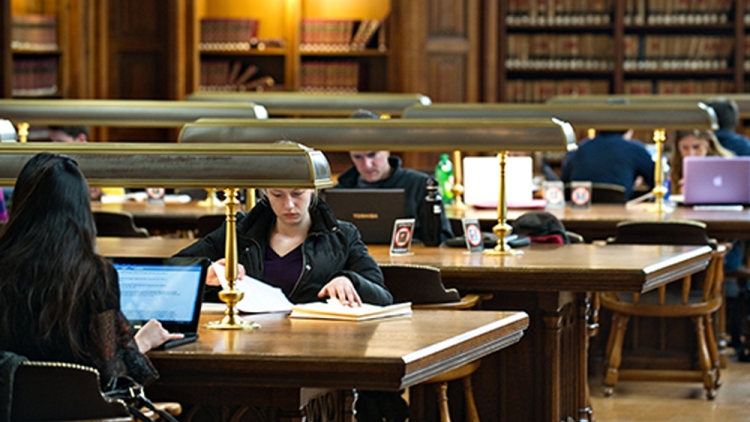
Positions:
{"x": 503, "y": 250}
{"x": 232, "y": 323}
{"x": 502, "y": 229}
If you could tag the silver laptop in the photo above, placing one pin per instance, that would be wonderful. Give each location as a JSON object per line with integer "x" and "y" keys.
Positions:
{"x": 169, "y": 290}
{"x": 716, "y": 180}
{"x": 373, "y": 211}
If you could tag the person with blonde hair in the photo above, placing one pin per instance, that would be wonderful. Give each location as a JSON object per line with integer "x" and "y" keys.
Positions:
{"x": 693, "y": 143}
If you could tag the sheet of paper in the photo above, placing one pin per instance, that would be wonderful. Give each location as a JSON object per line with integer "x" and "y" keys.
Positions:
{"x": 333, "y": 309}
{"x": 259, "y": 296}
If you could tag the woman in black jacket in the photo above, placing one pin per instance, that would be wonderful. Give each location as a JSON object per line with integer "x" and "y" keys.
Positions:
{"x": 292, "y": 240}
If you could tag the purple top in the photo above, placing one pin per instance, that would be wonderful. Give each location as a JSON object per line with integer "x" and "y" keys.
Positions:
{"x": 282, "y": 272}
{"x": 3, "y": 210}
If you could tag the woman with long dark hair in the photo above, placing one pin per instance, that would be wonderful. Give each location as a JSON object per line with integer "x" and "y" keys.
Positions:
{"x": 59, "y": 300}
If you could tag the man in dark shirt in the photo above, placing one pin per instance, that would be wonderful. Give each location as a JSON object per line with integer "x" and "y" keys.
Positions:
{"x": 610, "y": 158}
{"x": 378, "y": 170}
{"x": 727, "y": 115}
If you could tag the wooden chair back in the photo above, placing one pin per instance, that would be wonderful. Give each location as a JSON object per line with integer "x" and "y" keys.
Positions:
{"x": 117, "y": 224}
{"x": 208, "y": 223}
{"x": 56, "y": 391}
{"x": 603, "y": 193}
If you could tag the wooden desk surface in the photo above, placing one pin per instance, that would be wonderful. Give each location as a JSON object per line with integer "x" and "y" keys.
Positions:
{"x": 582, "y": 267}
{"x": 576, "y": 268}
{"x": 389, "y": 354}
{"x": 159, "y": 210}
{"x": 600, "y": 220}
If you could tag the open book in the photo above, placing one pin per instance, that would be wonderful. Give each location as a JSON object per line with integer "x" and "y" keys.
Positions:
{"x": 333, "y": 309}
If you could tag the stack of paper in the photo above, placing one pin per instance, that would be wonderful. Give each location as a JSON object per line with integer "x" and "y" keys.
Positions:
{"x": 259, "y": 297}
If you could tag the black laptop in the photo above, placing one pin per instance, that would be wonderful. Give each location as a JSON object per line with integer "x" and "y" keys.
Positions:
{"x": 169, "y": 290}
{"x": 373, "y": 211}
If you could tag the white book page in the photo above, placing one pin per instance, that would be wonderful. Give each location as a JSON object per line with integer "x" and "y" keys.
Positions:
{"x": 259, "y": 296}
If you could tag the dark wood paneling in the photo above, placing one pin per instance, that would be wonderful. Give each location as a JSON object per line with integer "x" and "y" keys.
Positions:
{"x": 140, "y": 75}
{"x": 6, "y": 58}
{"x": 447, "y": 17}
{"x": 447, "y": 77}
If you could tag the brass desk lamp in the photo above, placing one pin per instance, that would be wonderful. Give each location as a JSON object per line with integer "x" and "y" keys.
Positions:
{"x": 522, "y": 134}
{"x": 614, "y": 116}
{"x": 287, "y": 104}
{"x": 278, "y": 165}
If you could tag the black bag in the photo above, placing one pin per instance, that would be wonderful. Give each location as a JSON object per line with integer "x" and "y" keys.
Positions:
{"x": 132, "y": 394}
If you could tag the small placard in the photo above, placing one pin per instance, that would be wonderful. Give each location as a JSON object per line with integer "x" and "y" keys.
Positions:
{"x": 472, "y": 234}
{"x": 155, "y": 194}
{"x": 580, "y": 195}
{"x": 403, "y": 232}
{"x": 554, "y": 194}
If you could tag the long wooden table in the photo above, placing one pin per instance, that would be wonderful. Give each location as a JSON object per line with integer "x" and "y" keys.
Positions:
{"x": 269, "y": 374}
{"x": 600, "y": 220}
{"x": 544, "y": 377}
{"x": 162, "y": 217}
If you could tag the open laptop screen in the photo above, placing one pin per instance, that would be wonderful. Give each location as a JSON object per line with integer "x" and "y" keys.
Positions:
{"x": 169, "y": 290}
{"x": 716, "y": 180}
{"x": 373, "y": 211}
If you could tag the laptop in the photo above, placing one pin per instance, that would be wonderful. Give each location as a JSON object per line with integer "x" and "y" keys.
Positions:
{"x": 716, "y": 180}
{"x": 373, "y": 211}
{"x": 169, "y": 290}
{"x": 482, "y": 181}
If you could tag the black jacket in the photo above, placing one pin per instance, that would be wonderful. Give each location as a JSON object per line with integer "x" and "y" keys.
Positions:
{"x": 413, "y": 183}
{"x": 332, "y": 248}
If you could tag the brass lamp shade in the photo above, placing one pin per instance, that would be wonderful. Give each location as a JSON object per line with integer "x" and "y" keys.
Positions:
{"x": 132, "y": 113}
{"x": 742, "y": 100}
{"x": 582, "y": 116}
{"x": 282, "y": 165}
{"x": 319, "y": 105}
{"x": 533, "y": 134}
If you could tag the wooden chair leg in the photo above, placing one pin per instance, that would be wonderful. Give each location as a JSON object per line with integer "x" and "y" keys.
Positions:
{"x": 614, "y": 352}
{"x": 703, "y": 357}
{"x": 471, "y": 408}
{"x": 713, "y": 350}
{"x": 442, "y": 397}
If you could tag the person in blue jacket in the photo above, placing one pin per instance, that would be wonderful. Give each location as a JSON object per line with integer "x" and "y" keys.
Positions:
{"x": 728, "y": 118}
{"x": 610, "y": 158}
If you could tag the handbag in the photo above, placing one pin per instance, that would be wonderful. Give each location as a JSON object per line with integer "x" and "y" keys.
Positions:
{"x": 131, "y": 393}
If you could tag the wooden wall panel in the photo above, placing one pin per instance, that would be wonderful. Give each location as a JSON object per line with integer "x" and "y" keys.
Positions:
{"x": 447, "y": 77}
{"x": 140, "y": 76}
{"x": 6, "y": 57}
{"x": 447, "y": 17}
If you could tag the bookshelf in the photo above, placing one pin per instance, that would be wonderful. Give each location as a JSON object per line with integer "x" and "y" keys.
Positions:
{"x": 34, "y": 44}
{"x": 289, "y": 45}
{"x": 621, "y": 47}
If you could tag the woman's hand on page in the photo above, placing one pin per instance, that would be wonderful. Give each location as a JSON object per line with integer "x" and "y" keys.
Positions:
{"x": 152, "y": 335}
{"x": 213, "y": 280}
{"x": 341, "y": 288}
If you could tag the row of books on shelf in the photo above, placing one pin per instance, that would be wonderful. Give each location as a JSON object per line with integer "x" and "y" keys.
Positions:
{"x": 34, "y": 32}
{"x": 339, "y": 76}
{"x": 677, "y": 52}
{"x": 340, "y": 34}
{"x": 688, "y": 86}
{"x": 34, "y": 76}
{"x": 677, "y": 12}
{"x": 559, "y": 12}
{"x": 226, "y": 75}
{"x": 229, "y": 34}
{"x": 535, "y": 91}
{"x": 560, "y": 51}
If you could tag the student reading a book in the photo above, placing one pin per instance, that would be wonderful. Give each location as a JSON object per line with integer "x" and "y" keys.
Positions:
{"x": 292, "y": 240}
{"x": 59, "y": 300}
{"x": 693, "y": 143}
{"x": 378, "y": 170}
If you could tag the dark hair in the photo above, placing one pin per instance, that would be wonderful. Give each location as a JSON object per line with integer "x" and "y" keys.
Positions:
{"x": 51, "y": 286}
{"x": 363, "y": 114}
{"x": 727, "y": 112}
{"x": 73, "y": 131}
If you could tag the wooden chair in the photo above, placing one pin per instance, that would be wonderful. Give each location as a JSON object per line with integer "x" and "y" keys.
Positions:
{"x": 691, "y": 301}
{"x": 58, "y": 391}
{"x": 117, "y": 224}
{"x": 423, "y": 287}
{"x": 603, "y": 193}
